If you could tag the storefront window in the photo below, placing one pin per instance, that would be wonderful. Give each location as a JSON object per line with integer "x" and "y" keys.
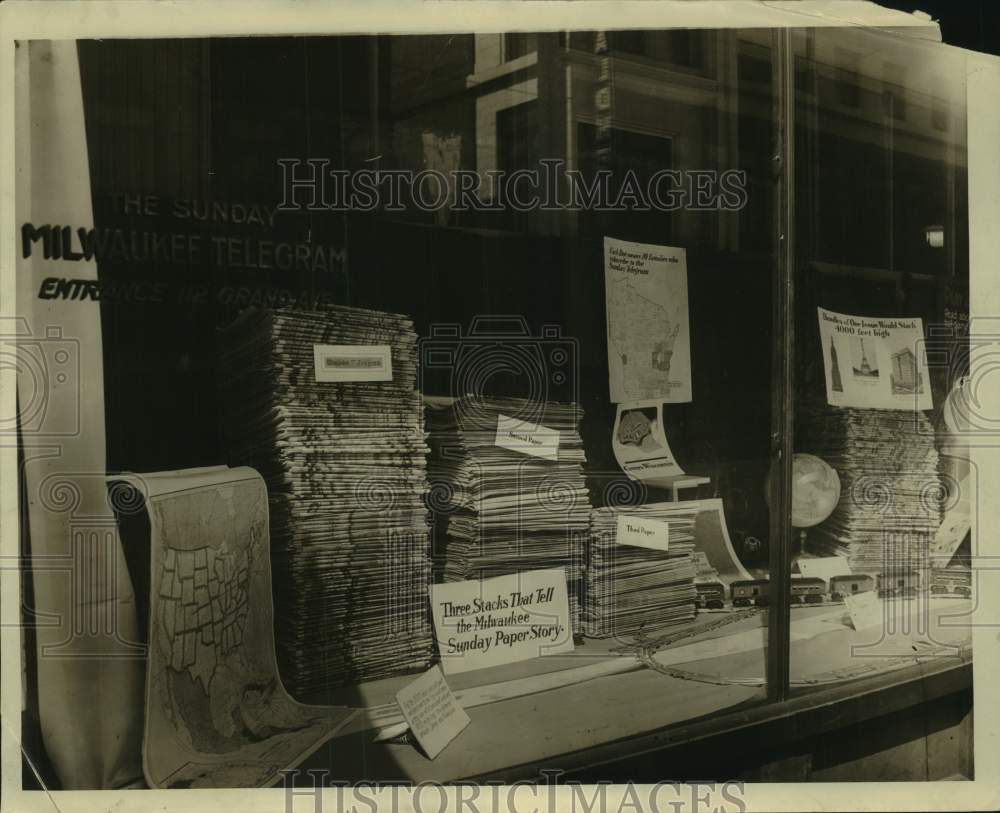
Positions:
{"x": 881, "y": 335}
{"x": 607, "y": 372}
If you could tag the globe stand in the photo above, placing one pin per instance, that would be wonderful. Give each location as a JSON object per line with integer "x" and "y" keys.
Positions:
{"x": 802, "y": 542}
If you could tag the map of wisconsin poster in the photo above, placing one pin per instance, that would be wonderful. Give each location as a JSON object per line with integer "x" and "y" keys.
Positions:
{"x": 649, "y": 343}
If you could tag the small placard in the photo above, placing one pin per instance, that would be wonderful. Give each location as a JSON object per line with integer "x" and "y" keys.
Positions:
{"x": 505, "y": 619}
{"x": 353, "y": 362}
{"x": 824, "y": 567}
{"x": 642, "y": 532}
{"x": 527, "y": 438}
{"x": 434, "y": 715}
{"x": 866, "y": 610}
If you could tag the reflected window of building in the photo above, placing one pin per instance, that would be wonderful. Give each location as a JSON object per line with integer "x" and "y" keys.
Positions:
{"x": 518, "y": 44}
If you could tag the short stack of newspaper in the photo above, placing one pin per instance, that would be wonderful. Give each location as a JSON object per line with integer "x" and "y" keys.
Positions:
{"x": 633, "y": 589}
{"x": 345, "y": 464}
{"x": 891, "y": 489}
{"x": 508, "y": 490}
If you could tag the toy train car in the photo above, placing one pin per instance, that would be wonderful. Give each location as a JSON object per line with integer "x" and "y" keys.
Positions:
{"x": 807, "y": 590}
{"x": 749, "y": 591}
{"x": 711, "y": 595}
{"x": 955, "y": 589}
{"x": 957, "y": 581}
{"x": 841, "y": 586}
{"x": 804, "y": 589}
{"x": 898, "y": 583}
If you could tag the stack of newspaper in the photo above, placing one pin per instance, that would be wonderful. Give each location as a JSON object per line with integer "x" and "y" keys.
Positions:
{"x": 891, "y": 490}
{"x": 640, "y": 569}
{"x": 345, "y": 464}
{"x": 508, "y": 489}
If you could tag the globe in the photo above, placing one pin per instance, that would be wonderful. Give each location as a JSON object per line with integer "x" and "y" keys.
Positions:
{"x": 815, "y": 490}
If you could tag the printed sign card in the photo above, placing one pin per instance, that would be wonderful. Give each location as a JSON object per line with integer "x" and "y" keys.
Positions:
{"x": 527, "y": 438}
{"x": 824, "y": 567}
{"x": 649, "y": 346}
{"x": 350, "y": 362}
{"x": 874, "y": 363}
{"x": 866, "y": 610}
{"x": 642, "y": 532}
{"x": 639, "y": 442}
{"x": 432, "y": 712}
{"x": 505, "y": 619}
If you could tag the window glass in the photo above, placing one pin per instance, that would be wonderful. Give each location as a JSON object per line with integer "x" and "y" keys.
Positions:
{"x": 586, "y": 238}
{"x": 882, "y": 486}
{"x": 498, "y": 318}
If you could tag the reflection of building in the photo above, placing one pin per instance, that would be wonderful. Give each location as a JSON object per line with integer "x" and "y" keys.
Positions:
{"x": 837, "y": 385}
{"x": 624, "y": 97}
{"x": 905, "y": 377}
{"x": 865, "y": 369}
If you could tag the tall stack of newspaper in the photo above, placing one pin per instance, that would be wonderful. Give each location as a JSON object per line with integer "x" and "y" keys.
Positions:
{"x": 891, "y": 489}
{"x": 345, "y": 465}
{"x": 634, "y": 588}
{"x": 508, "y": 489}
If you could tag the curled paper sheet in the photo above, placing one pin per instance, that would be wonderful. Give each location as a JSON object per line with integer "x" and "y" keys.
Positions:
{"x": 959, "y": 484}
{"x": 713, "y": 545}
{"x": 641, "y": 448}
{"x": 217, "y": 714}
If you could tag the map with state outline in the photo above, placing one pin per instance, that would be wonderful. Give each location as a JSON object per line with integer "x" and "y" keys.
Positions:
{"x": 217, "y": 714}
{"x": 647, "y": 313}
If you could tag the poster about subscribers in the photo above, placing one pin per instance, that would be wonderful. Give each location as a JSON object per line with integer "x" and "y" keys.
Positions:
{"x": 874, "y": 362}
{"x": 649, "y": 346}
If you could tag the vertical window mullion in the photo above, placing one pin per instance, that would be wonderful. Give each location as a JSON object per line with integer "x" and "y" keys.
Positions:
{"x": 782, "y": 406}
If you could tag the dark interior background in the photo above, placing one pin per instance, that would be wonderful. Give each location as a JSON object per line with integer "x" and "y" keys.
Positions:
{"x": 209, "y": 119}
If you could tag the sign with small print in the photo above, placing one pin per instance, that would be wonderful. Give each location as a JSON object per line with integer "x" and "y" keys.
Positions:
{"x": 866, "y": 610}
{"x": 527, "y": 438}
{"x": 642, "y": 532}
{"x": 432, "y": 712}
{"x": 352, "y": 362}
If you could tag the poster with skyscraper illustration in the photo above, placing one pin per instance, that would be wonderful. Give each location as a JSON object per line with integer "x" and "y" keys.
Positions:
{"x": 874, "y": 362}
